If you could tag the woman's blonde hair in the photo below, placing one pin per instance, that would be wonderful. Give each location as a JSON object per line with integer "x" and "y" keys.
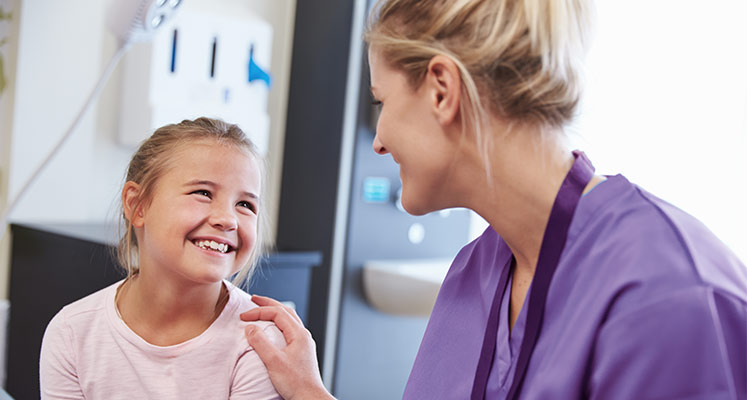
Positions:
{"x": 519, "y": 58}
{"x": 155, "y": 156}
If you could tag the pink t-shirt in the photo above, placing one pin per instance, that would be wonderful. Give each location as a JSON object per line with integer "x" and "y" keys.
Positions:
{"x": 89, "y": 352}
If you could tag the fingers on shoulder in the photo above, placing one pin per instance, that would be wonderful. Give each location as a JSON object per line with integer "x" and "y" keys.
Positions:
{"x": 286, "y": 320}
{"x": 261, "y": 343}
{"x": 270, "y": 313}
{"x": 264, "y": 301}
{"x": 282, "y": 334}
{"x": 274, "y": 335}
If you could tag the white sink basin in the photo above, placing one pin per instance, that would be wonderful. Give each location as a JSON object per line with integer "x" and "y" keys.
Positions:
{"x": 404, "y": 287}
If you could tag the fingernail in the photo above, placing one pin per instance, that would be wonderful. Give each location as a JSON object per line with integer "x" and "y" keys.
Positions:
{"x": 250, "y": 330}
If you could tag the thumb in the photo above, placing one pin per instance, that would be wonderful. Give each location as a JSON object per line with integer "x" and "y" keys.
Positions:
{"x": 265, "y": 349}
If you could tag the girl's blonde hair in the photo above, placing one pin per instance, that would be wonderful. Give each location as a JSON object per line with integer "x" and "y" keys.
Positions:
{"x": 155, "y": 156}
{"x": 517, "y": 58}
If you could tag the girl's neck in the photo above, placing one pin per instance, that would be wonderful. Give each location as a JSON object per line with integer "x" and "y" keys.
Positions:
{"x": 164, "y": 313}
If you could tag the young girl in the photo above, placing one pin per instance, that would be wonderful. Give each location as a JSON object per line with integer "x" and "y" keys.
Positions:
{"x": 171, "y": 330}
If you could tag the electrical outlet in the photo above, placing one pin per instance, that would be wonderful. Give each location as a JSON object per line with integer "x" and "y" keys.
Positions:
{"x": 199, "y": 65}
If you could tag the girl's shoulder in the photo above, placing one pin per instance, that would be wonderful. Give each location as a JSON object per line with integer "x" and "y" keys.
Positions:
{"x": 88, "y": 307}
{"x": 78, "y": 325}
{"x": 239, "y": 302}
{"x": 238, "y": 299}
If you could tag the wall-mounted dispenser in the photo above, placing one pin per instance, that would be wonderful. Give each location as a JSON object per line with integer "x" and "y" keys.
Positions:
{"x": 199, "y": 65}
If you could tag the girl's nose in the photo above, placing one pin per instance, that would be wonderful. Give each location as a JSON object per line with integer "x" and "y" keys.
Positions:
{"x": 223, "y": 220}
{"x": 378, "y": 146}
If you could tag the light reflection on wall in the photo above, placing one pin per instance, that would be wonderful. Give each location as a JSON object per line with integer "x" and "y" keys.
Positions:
{"x": 666, "y": 105}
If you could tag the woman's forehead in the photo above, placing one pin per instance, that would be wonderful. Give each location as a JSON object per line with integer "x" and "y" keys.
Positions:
{"x": 381, "y": 71}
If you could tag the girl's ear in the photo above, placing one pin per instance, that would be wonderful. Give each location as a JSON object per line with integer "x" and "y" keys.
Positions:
{"x": 444, "y": 88}
{"x": 130, "y": 199}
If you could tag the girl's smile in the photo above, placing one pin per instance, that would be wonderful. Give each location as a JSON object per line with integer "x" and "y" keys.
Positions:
{"x": 213, "y": 245}
{"x": 201, "y": 223}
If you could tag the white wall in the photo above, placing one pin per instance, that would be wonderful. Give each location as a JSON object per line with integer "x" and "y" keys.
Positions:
{"x": 7, "y": 59}
{"x": 8, "y": 51}
{"x": 62, "y": 48}
{"x": 666, "y": 105}
{"x": 59, "y": 57}
{"x": 8, "y": 30}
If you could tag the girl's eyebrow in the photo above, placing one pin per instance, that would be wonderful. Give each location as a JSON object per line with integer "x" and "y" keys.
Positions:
{"x": 198, "y": 182}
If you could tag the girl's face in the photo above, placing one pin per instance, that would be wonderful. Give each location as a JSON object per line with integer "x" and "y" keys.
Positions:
{"x": 408, "y": 129}
{"x": 201, "y": 223}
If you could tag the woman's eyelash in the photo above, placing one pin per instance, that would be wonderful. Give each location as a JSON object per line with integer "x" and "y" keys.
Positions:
{"x": 376, "y": 102}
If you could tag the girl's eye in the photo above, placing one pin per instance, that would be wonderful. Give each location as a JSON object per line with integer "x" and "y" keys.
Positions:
{"x": 247, "y": 205}
{"x": 202, "y": 192}
{"x": 376, "y": 102}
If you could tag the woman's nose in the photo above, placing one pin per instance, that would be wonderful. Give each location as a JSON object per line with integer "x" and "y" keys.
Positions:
{"x": 378, "y": 146}
{"x": 222, "y": 219}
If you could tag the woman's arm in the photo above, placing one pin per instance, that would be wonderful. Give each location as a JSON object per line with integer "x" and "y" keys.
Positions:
{"x": 689, "y": 344}
{"x": 293, "y": 370}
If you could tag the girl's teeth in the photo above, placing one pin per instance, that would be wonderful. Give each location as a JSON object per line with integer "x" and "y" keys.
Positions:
{"x": 213, "y": 245}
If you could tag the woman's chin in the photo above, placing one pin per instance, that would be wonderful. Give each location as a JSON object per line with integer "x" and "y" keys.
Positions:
{"x": 415, "y": 208}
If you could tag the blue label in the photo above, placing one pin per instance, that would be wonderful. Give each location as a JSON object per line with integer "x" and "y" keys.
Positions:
{"x": 376, "y": 190}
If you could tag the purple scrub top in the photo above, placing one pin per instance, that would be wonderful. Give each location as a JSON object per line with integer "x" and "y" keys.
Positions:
{"x": 646, "y": 303}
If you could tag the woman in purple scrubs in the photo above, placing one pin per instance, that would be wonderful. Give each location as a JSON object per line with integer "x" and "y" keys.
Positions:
{"x": 583, "y": 286}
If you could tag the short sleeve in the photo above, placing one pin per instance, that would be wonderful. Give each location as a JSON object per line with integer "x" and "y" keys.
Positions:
{"x": 251, "y": 379}
{"x": 688, "y": 345}
{"x": 57, "y": 373}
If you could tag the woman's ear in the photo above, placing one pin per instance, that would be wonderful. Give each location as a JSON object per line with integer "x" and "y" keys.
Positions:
{"x": 444, "y": 88}
{"x": 131, "y": 204}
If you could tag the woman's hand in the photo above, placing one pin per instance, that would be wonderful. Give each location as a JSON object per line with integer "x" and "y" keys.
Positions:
{"x": 293, "y": 370}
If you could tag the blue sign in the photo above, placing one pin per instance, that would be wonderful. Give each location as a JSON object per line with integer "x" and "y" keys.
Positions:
{"x": 376, "y": 190}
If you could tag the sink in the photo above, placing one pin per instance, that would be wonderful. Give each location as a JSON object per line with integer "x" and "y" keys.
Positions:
{"x": 404, "y": 287}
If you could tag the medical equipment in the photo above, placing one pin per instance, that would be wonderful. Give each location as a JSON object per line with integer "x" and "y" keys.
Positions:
{"x": 138, "y": 20}
{"x": 131, "y": 21}
{"x": 201, "y": 63}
